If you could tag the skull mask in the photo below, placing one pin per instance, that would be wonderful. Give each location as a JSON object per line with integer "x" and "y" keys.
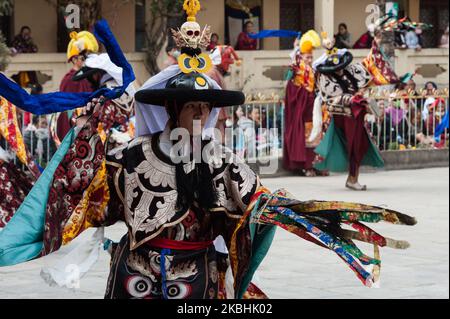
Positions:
{"x": 191, "y": 33}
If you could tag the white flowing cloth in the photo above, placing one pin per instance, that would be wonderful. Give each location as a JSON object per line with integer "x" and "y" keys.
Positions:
{"x": 103, "y": 62}
{"x": 5, "y": 156}
{"x": 151, "y": 119}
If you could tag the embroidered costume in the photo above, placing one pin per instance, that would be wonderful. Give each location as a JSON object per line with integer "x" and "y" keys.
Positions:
{"x": 347, "y": 145}
{"x": 175, "y": 210}
{"x": 300, "y": 100}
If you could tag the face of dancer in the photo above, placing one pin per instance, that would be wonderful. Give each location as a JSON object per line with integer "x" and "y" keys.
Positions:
{"x": 78, "y": 62}
{"x": 194, "y": 111}
{"x": 308, "y": 58}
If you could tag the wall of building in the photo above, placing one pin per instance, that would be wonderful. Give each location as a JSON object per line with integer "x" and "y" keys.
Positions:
{"x": 41, "y": 17}
{"x": 122, "y": 21}
{"x": 213, "y": 14}
{"x": 356, "y": 21}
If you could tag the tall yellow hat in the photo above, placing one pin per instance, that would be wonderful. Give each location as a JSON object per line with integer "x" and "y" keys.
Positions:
{"x": 192, "y": 7}
{"x": 80, "y": 42}
{"x": 309, "y": 41}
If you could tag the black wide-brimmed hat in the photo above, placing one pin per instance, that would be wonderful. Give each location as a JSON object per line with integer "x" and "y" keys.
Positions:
{"x": 86, "y": 73}
{"x": 335, "y": 63}
{"x": 191, "y": 87}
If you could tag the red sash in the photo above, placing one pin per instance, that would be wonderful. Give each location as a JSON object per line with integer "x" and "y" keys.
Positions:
{"x": 161, "y": 243}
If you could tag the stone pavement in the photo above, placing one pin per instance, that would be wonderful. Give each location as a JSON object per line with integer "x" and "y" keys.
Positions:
{"x": 297, "y": 269}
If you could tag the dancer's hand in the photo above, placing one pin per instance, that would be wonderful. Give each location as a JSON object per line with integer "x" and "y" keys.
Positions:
{"x": 91, "y": 108}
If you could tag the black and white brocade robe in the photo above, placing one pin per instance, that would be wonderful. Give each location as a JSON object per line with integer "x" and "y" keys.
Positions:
{"x": 143, "y": 194}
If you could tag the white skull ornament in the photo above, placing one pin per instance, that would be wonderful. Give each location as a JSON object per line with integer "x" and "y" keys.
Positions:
{"x": 191, "y": 33}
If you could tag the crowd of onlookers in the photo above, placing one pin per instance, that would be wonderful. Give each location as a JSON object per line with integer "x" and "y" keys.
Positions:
{"x": 406, "y": 37}
{"x": 409, "y": 119}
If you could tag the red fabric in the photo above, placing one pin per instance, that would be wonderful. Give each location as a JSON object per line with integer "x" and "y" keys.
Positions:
{"x": 229, "y": 56}
{"x": 162, "y": 243}
{"x": 299, "y": 110}
{"x": 26, "y": 118}
{"x": 356, "y": 136}
{"x": 245, "y": 43}
{"x": 364, "y": 42}
{"x": 69, "y": 86}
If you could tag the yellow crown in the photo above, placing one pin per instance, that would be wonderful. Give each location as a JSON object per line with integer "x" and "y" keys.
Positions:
{"x": 82, "y": 41}
{"x": 192, "y": 7}
{"x": 309, "y": 41}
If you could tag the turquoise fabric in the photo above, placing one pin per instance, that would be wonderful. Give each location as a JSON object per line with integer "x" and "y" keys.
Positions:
{"x": 262, "y": 238}
{"x": 334, "y": 151}
{"x": 21, "y": 239}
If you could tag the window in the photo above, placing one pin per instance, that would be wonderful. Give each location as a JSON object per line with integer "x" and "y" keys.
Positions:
{"x": 140, "y": 26}
{"x": 237, "y": 13}
{"x": 295, "y": 15}
{"x": 434, "y": 12}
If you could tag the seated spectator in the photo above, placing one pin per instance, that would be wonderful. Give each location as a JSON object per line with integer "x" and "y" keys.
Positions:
{"x": 366, "y": 40}
{"x": 444, "y": 40}
{"x": 245, "y": 43}
{"x": 343, "y": 38}
{"x": 23, "y": 42}
{"x": 400, "y": 37}
{"x": 412, "y": 38}
{"x": 214, "y": 42}
{"x": 172, "y": 56}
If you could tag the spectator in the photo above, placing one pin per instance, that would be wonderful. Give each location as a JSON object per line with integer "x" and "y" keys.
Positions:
{"x": 412, "y": 39}
{"x": 23, "y": 42}
{"x": 343, "y": 38}
{"x": 172, "y": 56}
{"x": 214, "y": 42}
{"x": 245, "y": 43}
{"x": 430, "y": 89}
{"x": 400, "y": 37}
{"x": 366, "y": 40}
{"x": 444, "y": 40}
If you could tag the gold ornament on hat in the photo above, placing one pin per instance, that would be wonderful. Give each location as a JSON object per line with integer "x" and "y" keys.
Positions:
{"x": 192, "y": 7}
{"x": 191, "y": 39}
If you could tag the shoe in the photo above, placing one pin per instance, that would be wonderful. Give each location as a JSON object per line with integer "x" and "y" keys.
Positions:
{"x": 356, "y": 187}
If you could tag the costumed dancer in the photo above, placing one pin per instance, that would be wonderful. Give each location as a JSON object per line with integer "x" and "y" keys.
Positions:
{"x": 103, "y": 73}
{"x": 81, "y": 45}
{"x": 300, "y": 101}
{"x": 175, "y": 209}
{"x": 14, "y": 187}
{"x": 347, "y": 145}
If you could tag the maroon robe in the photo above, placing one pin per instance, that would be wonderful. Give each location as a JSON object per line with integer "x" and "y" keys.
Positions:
{"x": 245, "y": 43}
{"x": 70, "y": 86}
{"x": 356, "y": 136}
{"x": 299, "y": 110}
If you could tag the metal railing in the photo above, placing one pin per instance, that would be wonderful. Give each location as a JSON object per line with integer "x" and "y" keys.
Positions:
{"x": 255, "y": 130}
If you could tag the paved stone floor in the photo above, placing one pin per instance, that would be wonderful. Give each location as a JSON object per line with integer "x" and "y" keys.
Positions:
{"x": 297, "y": 269}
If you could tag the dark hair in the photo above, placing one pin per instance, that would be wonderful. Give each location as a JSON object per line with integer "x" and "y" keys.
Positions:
{"x": 343, "y": 25}
{"x": 246, "y": 24}
{"x": 25, "y": 27}
{"x": 169, "y": 48}
{"x": 198, "y": 185}
{"x": 432, "y": 83}
{"x": 215, "y": 35}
